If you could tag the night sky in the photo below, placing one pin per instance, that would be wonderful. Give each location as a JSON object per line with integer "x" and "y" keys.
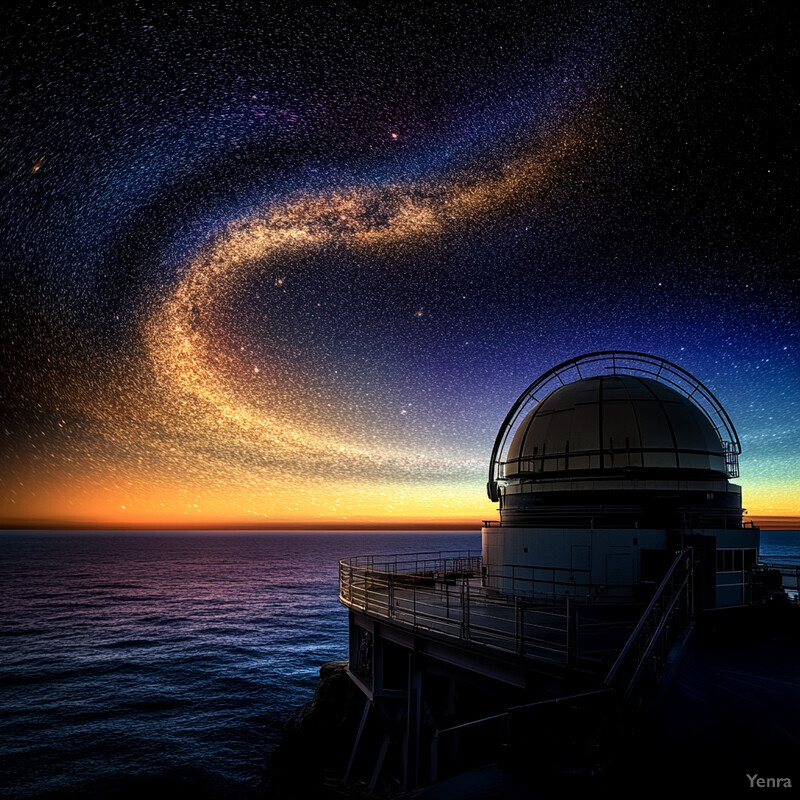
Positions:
{"x": 269, "y": 264}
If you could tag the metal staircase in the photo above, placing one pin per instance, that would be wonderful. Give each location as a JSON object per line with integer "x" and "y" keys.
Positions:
{"x": 637, "y": 672}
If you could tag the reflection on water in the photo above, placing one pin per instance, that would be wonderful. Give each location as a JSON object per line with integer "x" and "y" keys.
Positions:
{"x": 136, "y": 662}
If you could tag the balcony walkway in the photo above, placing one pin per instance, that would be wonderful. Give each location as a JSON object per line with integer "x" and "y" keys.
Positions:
{"x": 442, "y": 594}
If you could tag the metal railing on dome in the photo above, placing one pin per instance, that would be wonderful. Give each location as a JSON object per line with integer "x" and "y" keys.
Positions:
{"x": 615, "y": 362}
{"x": 731, "y": 459}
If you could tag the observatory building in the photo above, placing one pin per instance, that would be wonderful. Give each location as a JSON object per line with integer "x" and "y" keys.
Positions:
{"x": 601, "y": 468}
{"x": 618, "y": 526}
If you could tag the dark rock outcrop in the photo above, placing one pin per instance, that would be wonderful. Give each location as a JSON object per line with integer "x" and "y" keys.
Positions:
{"x": 317, "y": 740}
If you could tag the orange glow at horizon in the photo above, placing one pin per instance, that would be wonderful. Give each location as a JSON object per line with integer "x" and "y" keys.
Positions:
{"x": 339, "y": 504}
{"x": 138, "y": 501}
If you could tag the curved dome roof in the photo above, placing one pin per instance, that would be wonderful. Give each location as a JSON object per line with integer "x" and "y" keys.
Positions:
{"x": 614, "y": 421}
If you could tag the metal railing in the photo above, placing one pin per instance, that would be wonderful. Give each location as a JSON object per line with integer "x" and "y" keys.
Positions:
{"x": 664, "y": 619}
{"x": 441, "y": 593}
{"x": 789, "y": 576}
{"x": 615, "y": 362}
{"x": 536, "y": 611}
{"x": 485, "y": 739}
{"x": 731, "y": 458}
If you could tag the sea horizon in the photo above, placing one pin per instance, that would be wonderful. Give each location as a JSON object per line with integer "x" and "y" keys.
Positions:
{"x": 777, "y": 523}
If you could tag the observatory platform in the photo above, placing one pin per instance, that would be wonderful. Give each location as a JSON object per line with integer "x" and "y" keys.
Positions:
{"x": 618, "y": 528}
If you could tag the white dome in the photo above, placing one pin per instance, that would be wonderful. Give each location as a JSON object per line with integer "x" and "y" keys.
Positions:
{"x": 614, "y": 422}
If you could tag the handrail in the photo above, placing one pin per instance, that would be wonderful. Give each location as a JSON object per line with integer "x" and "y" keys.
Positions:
{"x": 471, "y": 723}
{"x": 416, "y": 558}
{"x": 511, "y": 709}
{"x": 656, "y": 634}
{"x": 621, "y": 362}
{"x": 445, "y": 597}
{"x": 645, "y": 615}
{"x": 789, "y": 572}
{"x": 453, "y": 598}
{"x": 556, "y": 700}
{"x": 506, "y": 717}
{"x": 668, "y": 596}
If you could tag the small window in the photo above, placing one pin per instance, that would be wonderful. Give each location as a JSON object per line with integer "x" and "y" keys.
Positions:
{"x": 724, "y": 560}
{"x": 734, "y": 560}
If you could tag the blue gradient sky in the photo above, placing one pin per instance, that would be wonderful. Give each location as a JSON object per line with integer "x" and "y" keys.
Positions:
{"x": 618, "y": 177}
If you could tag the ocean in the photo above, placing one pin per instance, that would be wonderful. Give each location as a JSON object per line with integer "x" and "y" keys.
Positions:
{"x": 135, "y": 662}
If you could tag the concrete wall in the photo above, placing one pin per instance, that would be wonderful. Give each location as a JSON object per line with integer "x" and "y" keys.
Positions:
{"x": 550, "y": 563}
{"x": 567, "y": 561}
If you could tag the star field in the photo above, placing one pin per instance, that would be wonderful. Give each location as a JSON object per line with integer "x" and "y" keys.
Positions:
{"x": 272, "y": 265}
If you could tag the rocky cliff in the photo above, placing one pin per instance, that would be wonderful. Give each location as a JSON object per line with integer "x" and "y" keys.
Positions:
{"x": 317, "y": 740}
